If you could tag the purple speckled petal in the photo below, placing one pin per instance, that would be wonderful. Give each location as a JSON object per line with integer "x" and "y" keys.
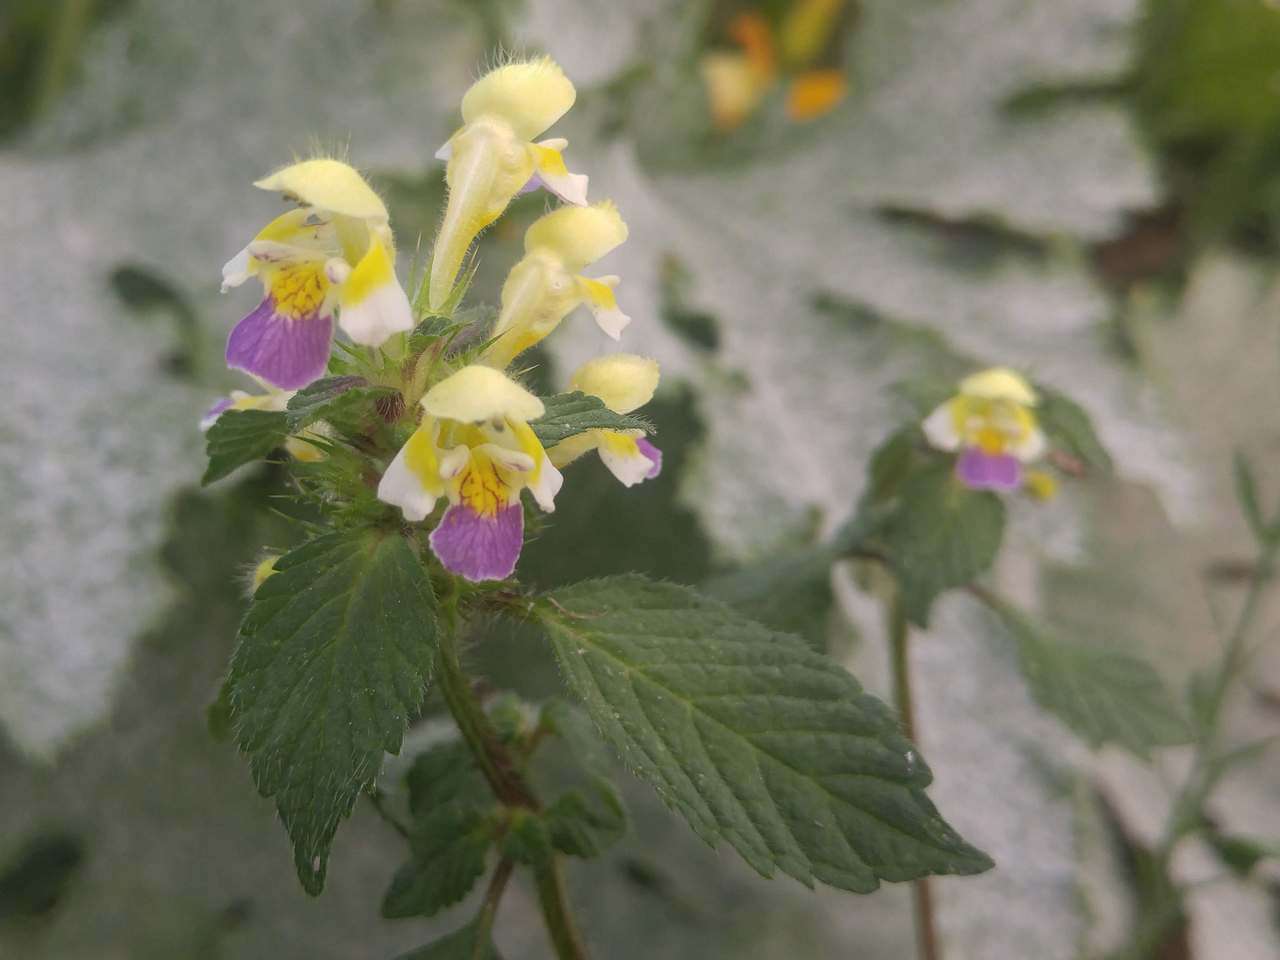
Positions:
{"x": 985, "y": 471}
{"x": 284, "y": 351}
{"x": 653, "y": 454}
{"x": 476, "y": 547}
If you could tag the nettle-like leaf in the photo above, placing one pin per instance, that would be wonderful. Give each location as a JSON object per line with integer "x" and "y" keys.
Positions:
{"x": 1070, "y": 429}
{"x": 345, "y": 400}
{"x": 1104, "y": 694}
{"x": 242, "y": 436}
{"x": 586, "y": 822}
{"x": 334, "y": 656}
{"x": 463, "y": 944}
{"x": 453, "y": 827}
{"x": 938, "y": 534}
{"x": 573, "y": 413}
{"x": 752, "y": 737}
{"x": 791, "y": 592}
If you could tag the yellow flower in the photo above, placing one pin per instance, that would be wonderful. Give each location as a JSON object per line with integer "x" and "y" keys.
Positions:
{"x": 493, "y": 157}
{"x": 334, "y": 253}
{"x": 624, "y": 382}
{"x": 991, "y": 422}
{"x": 475, "y": 447}
{"x": 546, "y": 284}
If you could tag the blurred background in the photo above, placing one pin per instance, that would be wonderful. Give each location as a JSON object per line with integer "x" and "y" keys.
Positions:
{"x": 825, "y": 199}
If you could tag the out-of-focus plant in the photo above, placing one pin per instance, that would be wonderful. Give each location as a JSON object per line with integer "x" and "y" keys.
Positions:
{"x": 412, "y": 440}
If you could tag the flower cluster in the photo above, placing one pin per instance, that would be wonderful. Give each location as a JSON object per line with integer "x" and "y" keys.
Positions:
{"x": 992, "y": 424}
{"x": 471, "y": 445}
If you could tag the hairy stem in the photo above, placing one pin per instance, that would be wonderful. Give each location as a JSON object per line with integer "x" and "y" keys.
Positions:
{"x": 503, "y": 772}
{"x": 899, "y": 636}
{"x": 551, "y": 894}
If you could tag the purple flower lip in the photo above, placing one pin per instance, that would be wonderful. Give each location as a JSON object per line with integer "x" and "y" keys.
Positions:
{"x": 652, "y": 454}
{"x": 476, "y": 547}
{"x": 986, "y": 471}
{"x": 285, "y": 351}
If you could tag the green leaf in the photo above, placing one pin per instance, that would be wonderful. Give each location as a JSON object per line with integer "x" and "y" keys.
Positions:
{"x": 218, "y": 715}
{"x": 334, "y": 656}
{"x": 1069, "y": 429}
{"x": 446, "y": 773}
{"x": 242, "y": 436}
{"x": 527, "y": 839}
{"x": 1104, "y": 694}
{"x": 939, "y": 535}
{"x": 752, "y": 737}
{"x": 448, "y": 856}
{"x": 345, "y": 401}
{"x": 573, "y": 413}
{"x": 1241, "y": 854}
{"x": 791, "y": 593}
{"x": 585, "y": 823}
{"x": 463, "y": 944}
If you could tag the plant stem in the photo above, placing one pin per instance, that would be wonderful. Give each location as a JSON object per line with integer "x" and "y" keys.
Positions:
{"x": 551, "y": 894}
{"x": 492, "y": 896}
{"x": 376, "y": 801}
{"x": 503, "y": 772}
{"x": 927, "y": 946}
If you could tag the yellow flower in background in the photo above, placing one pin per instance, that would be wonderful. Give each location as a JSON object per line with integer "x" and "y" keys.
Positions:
{"x": 547, "y": 284}
{"x": 334, "y": 253}
{"x": 623, "y": 382}
{"x": 737, "y": 81}
{"x": 493, "y": 157}
{"x": 991, "y": 422}
{"x": 475, "y": 447}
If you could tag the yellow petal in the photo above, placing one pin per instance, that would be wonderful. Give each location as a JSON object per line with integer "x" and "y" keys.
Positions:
{"x": 530, "y": 96}
{"x": 1041, "y": 485}
{"x": 577, "y": 235}
{"x": 806, "y": 30}
{"x": 999, "y": 383}
{"x": 328, "y": 185}
{"x": 623, "y": 381}
{"x": 571, "y": 448}
{"x": 477, "y": 393}
{"x": 265, "y": 568}
{"x": 734, "y": 88}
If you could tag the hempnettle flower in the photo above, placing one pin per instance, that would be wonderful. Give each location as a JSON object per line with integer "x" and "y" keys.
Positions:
{"x": 546, "y": 285}
{"x": 475, "y": 447}
{"x": 335, "y": 252}
{"x": 991, "y": 422}
{"x": 493, "y": 157}
{"x": 624, "y": 382}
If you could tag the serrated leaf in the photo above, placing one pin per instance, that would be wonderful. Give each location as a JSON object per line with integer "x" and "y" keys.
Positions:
{"x": 939, "y": 535}
{"x": 446, "y": 773}
{"x": 242, "y": 436}
{"x": 334, "y": 656}
{"x": 1104, "y": 694}
{"x": 343, "y": 400}
{"x": 585, "y": 823}
{"x": 463, "y": 944}
{"x": 448, "y": 847}
{"x": 573, "y": 413}
{"x": 527, "y": 839}
{"x": 1069, "y": 429}
{"x": 791, "y": 592}
{"x": 752, "y": 737}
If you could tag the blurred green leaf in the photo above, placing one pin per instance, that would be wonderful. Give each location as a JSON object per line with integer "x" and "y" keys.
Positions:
{"x": 790, "y": 592}
{"x": 334, "y": 656}
{"x": 239, "y": 437}
{"x": 1070, "y": 429}
{"x": 1247, "y": 496}
{"x": 752, "y": 737}
{"x": 938, "y": 534}
{"x": 463, "y": 944}
{"x": 1106, "y": 695}
{"x": 35, "y": 880}
{"x": 586, "y": 822}
{"x": 449, "y": 847}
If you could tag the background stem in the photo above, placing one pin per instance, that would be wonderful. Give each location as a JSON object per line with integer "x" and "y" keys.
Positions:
{"x": 551, "y": 894}
{"x": 927, "y": 947}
